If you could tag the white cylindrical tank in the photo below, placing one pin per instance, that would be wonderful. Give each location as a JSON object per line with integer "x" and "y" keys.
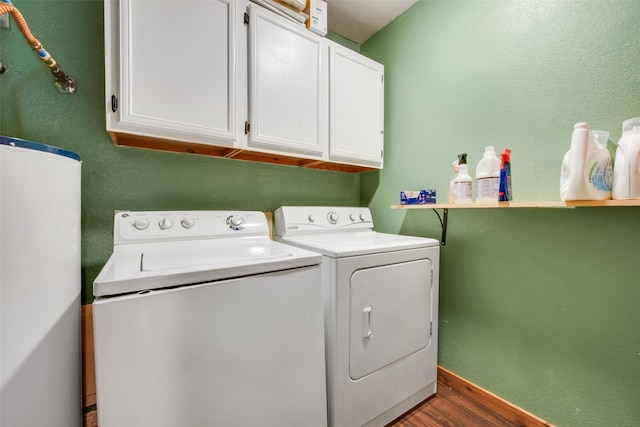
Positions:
{"x": 40, "y": 341}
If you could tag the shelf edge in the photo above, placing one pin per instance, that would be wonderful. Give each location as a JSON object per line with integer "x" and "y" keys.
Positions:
{"x": 543, "y": 204}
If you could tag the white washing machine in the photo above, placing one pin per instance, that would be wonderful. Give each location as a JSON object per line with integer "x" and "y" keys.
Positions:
{"x": 200, "y": 319}
{"x": 381, "y": 311}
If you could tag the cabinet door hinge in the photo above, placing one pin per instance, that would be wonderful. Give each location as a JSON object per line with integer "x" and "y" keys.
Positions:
{"x": 246, "y": 19}
{"x": 247, "y": 128}
{"x": 114, "y": 103}
{"x": 430, "y": 329}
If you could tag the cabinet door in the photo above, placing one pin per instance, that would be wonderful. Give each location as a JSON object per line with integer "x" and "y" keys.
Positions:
{"x": 287, "y": 87}
{"x": 175, "y": 68}
{"x": 356, "y": 108}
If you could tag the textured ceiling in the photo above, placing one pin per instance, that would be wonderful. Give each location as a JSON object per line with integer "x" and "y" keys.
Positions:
{"x": 357, "y": 20}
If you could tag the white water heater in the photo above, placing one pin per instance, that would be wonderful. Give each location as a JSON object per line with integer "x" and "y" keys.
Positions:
{"x": 40, "y": 341}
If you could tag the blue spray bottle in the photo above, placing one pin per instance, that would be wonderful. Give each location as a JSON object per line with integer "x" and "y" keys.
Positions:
{"x": 505, "y": 194}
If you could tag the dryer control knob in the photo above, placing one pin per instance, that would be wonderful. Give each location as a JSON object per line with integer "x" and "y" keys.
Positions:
{"x": 140, "y": 224}
{"x": 312, "y": 218}
{"x": 362, "y": 218}
{"x": 352, "y": 217}
{"x": 187, "y": 222}
{"x": 165, "y": 223}
{"x": 332, "y": 217}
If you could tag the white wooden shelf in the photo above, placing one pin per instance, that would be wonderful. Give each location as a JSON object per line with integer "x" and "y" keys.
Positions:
{"x": 503, "y": 205}
{"x": 506, "y": 205}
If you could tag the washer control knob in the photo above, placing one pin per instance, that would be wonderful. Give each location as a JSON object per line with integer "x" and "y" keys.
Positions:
{"x": 352, "y": 217}
{"x": 187, "y": 222}
{"x": 235, "y": 222}
{"x": 332, "y": 217}
{"x": 165, "y": 223}
{"x": 140, "y": 224}
{"x": 312, "y": 218}
{"x": 362, "y": 218}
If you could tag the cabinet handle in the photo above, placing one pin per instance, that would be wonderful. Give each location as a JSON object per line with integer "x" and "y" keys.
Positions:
{"x": 114, "y": 103}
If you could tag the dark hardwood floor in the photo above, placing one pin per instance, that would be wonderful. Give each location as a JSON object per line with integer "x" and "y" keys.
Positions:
{"x": 448, "y": 408}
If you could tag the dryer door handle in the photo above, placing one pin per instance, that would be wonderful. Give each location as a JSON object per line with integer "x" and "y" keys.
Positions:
{"x": 367, "y": 314}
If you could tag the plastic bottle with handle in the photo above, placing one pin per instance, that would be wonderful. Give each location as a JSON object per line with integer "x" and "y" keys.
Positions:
{"x": 488, "y": 177}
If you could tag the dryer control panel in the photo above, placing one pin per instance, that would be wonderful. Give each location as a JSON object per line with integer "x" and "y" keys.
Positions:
{"x": 305, "y": 219}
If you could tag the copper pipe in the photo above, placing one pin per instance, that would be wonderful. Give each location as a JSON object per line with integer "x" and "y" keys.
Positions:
{"x": 64, "y": 83}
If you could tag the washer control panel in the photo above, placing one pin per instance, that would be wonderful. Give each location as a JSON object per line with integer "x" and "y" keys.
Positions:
{"x": 300, "y": 219}
{"x": 157, "y": 226}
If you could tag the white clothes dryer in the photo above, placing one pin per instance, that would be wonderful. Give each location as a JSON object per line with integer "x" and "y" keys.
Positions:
{"x": 200, "y": 319}
{"x": 381, "y": 311}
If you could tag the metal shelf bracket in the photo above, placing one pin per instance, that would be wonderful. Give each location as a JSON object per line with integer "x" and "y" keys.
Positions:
{"x": 443, "y": 224}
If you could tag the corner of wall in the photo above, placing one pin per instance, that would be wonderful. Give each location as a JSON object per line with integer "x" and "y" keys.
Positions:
{"x": 343, "y": 41}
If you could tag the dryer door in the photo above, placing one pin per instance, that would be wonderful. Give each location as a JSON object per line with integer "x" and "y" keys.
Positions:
{"x": 390, "y": 314}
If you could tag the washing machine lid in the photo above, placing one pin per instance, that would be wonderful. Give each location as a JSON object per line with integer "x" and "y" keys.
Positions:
{"x": 160, "y": 249}
{"x": 135, "y": 268}
{"x": 346, "y": 243}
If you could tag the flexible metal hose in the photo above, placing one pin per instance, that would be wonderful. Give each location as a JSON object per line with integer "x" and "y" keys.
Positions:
{"x": 63, "y": 83}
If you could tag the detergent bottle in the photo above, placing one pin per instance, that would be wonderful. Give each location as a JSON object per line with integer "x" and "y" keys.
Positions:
{"x": 462, "y": 182}
{"x": 488, "y": 177}
{"x": 626, "y": 172}
{"x": 504, "y": 188}
{"x": 586, "y": 172}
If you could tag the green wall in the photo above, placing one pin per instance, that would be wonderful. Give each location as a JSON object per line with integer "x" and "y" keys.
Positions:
{"x": 540, "y": 306}
{"x": 122, "y": 178}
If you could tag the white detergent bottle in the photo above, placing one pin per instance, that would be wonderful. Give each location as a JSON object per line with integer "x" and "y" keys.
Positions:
{"x": 456, "y": 168}
{"x": 488, "y": 177}
{"x": 462, "y": 182}
{"x": 586, "y": 172}
{"x": 626, "y": 172}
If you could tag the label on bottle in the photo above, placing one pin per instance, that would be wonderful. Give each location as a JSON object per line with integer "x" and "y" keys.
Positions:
{"x": 487, "y": 188}
{"x": 504, "y": 192}
{"x": 462, "y": 191}
{"x": 600, "y": 175}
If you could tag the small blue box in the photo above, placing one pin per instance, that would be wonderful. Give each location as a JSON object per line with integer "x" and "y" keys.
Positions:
{"x": 421, "y": 197}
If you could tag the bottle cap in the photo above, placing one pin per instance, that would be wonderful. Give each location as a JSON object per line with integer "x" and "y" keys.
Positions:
{"x": 631, "y": 125}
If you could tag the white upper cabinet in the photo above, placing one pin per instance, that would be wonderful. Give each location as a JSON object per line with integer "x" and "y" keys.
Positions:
{"x": 231, "y": 78}
{"x": 174, "y": 70}
{"x": 287, "y": 87}
{"x": 356, "y": 108}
